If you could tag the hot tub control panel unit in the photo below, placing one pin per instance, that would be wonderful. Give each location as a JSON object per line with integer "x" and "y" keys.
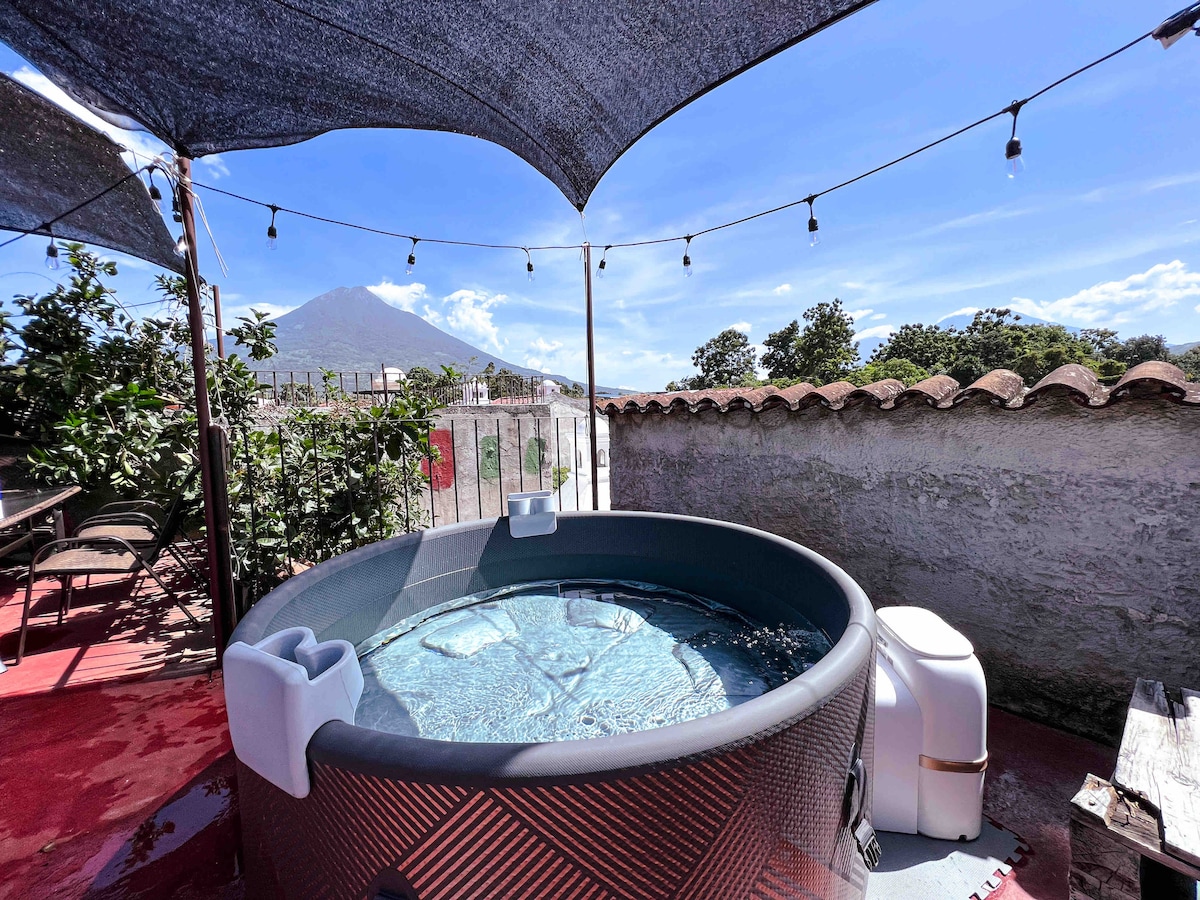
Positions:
{"x": 930, "y": 727}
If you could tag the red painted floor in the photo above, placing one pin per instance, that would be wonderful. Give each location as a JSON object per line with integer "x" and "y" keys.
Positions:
{"x": 103, "y": 786}
{"x": 117, "y": 629}
{"x": 1033, "y": 772}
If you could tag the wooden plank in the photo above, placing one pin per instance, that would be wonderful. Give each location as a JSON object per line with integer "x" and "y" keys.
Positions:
{"x": 1126, "y": 820}
{"x": 1159, "y": 761}
{"x": 1103, "y": 865}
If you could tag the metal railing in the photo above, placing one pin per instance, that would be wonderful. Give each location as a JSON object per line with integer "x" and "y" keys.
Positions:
{"x": 316, "y": 388}
{"x": 313, "y": 486}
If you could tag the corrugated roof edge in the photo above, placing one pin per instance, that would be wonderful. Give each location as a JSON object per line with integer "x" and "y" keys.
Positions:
{"x": 999, "y": 387}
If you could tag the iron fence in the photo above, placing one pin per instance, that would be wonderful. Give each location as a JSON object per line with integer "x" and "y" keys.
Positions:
{"x": 318, "y": 484}
{"x": 318, "y": 388}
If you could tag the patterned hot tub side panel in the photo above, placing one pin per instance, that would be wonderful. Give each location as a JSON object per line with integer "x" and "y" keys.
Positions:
{"x": 762, "y": 819}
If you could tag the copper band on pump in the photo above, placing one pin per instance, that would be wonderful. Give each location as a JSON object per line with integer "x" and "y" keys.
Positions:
{"x": 949, "y": 765}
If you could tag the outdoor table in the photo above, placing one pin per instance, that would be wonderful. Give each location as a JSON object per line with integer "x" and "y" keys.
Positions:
{"x": 29, "y": 508}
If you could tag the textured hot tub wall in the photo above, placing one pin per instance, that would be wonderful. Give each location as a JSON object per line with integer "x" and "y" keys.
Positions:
{"x": 763, "y": 818}
{"x": 1060, "y": 538}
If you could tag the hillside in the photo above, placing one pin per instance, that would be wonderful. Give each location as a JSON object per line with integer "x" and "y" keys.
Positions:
{"x": 352, "y": 330}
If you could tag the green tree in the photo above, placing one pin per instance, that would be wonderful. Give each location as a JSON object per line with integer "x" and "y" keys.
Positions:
{"x": 1104, "y": 342}
{"x": 826, "y": 346}
{"x": 725, "y": 360}
{"x": 782, "y": 357}
{"x": 1143, "y": 348}
{"x": 928, "y": 347}
{"x": 899, "y": 369}
{"x": 1189, "y": 361}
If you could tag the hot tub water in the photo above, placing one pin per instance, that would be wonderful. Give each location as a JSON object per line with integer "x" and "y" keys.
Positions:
{"x": 557, "y": 660}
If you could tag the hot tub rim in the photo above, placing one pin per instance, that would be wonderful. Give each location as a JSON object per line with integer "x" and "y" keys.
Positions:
{"x": 391, "y": 755}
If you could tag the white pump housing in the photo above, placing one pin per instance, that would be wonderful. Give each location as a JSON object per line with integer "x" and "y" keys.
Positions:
{"x": 930, "y": 727}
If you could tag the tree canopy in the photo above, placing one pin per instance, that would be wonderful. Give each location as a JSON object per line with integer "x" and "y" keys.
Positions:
{"x": 823, "y": 350}
{"x": 725, "y": 360}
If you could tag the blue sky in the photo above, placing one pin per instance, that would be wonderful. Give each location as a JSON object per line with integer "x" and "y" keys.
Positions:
{"x": 1102, "y": 229}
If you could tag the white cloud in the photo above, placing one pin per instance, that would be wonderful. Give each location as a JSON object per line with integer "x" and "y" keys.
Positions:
{"x": 401, "y": 296}
{"x": 965, "y": 311}
{"x": 878, "y": 316}
{"x": 544, "y": 346}
{"x": 1115, "y": 302}
{"x": 743, "y": 327}
{"x": 875, "y": 331}
{"x": 470, "y": 313}
{"x": 857, "y": 314}
{"x": 214, "y": 166}
{"x": 431, "y": 315}
{"x": 782, "y": 289}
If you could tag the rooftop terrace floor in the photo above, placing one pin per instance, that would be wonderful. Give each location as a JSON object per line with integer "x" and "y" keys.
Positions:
{"x": 118, "y": 776}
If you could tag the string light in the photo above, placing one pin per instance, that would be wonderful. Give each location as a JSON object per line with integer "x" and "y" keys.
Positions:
{"x": 528, "y": 263}
{"x": 1014, "y": 164}
{"x": 51, "y": 254}
{"x": 272, "y": 231}
{"x": 155, "y": 193}
{"x": 176, "y": 214}
{"x": 181, "y": 246}
{"x": 412, "y": 257}
{"x": 687, "y": 260}
{"x": 603, "y": 262}
{"x": 813, "y": 236}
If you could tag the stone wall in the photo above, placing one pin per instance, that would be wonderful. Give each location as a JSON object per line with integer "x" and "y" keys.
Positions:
{"x": 1061, "y": 540}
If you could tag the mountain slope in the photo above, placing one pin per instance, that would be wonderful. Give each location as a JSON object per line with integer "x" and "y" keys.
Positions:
{"x": 352, "y": 330}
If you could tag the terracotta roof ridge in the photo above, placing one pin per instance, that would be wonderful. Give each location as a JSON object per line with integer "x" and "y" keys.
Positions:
{"x": 1002, "y": 387}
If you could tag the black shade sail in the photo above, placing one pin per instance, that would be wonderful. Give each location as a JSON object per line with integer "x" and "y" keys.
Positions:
{"x": 567, "y": 85}
{"x": 50, "y": 162}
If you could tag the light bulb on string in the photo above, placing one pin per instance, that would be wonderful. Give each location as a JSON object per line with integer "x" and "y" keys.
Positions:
{"x": 1014, "y": 162}
{"x": 528, "y": 263}
{"x": 687, "y": 259}
{"x": 814, "y": 236}
{"x": 603, "y": 262}
{"x": 176, "y": 214}
{"x": 181, "y": 246}
{"x": 272, "y": 231}
{"x": 51, "y": 254}
{"x": 412, "y": 258}
{"x": 155, "y": 193}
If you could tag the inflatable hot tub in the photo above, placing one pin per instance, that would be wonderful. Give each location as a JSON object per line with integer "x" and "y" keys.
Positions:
{"x": 769, "y": 798}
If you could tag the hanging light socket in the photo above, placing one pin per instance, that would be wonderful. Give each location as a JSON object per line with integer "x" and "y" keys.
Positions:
{"x": 813, "y": 228}
{"x": 52, "y": 254}
{"x": 272, "y": 231}
{"x": 155, "y": 193}
{"x": 603, "y": 262}
{"x": 528, "y": 264}
{"x": 412, "y": 257}
{"x": 181, "y": 246}
{"x": 687, "y": 260}
{"x": 1014, "y": 163}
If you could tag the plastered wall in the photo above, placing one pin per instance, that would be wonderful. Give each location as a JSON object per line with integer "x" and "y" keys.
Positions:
{"x": 1061, "y": 540}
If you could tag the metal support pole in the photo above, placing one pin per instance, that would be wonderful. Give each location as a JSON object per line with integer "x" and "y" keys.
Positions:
{"x": 216, "y": 295}
{"x": 591, "y": 362}
{"x": 215, "y": 519}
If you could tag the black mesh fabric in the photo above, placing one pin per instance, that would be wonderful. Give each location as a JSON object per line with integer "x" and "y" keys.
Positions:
{"x": 50, "y": 162}
{"x": 567, "y": 85}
